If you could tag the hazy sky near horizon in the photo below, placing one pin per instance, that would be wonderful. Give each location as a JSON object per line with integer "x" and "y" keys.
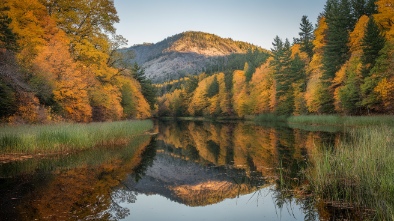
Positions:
{"x": 253, "y": 21}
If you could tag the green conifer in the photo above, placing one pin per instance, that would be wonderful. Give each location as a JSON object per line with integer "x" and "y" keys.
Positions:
{"x": 306, "y": 36}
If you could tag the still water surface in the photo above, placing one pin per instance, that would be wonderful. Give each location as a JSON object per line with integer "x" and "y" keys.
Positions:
{"x": 188, "y": 171}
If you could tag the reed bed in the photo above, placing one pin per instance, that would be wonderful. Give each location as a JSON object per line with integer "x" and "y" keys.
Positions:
{"x": 358, "y": 173}
{"x": 44, "y": 139}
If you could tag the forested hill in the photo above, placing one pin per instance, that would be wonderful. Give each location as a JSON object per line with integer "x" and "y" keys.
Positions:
{"x": 341, "y": 65}
{"x": 186, "y": 53}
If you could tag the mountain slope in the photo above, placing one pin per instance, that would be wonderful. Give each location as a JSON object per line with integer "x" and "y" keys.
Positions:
{"x": 185, "y": 53}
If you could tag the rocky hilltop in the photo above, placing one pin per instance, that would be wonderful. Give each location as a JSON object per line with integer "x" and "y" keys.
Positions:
{"x": 185, "y": 53}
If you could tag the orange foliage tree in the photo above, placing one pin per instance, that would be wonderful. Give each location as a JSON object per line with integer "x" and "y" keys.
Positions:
{"x": 65, "y": 53}
{"x": 70, "y": 85}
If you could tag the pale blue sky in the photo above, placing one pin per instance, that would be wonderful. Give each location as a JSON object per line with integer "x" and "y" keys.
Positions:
{"x": 253, "y": 21}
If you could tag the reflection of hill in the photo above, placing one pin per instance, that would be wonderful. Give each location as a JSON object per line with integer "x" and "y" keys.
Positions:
{"x": 272, "y": 151}
{"x": 210, "y": 192}
{"x": 190, "y": 183}
{"x": 202, "y": 163}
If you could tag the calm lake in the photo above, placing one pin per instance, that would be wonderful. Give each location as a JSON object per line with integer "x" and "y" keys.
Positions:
{"x": 188, "y": 171}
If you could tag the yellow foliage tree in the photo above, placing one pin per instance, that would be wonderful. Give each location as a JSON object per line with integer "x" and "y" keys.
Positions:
{"x": 357, "y": 35}
{"x": 105, "y": 101}
{"x": 143, "y": 109}
{"x": 314, "y": 69}
{"x": 296, "y": 49}
{"x": 261, "y": 89}
{"x": 240, "y": 93}
{"x": 385, "y": 16}
{"x": 29, "y": 18}
{"x": 224, "y": 98}
{"x": 198, "y": 102}
{"x": 385, "y": 88}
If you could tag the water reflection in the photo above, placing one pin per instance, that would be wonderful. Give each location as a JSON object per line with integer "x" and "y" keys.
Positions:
{"x": 203, "y": 164}
{"x": 190, "y": 170}
{"x": 76, "y": 187}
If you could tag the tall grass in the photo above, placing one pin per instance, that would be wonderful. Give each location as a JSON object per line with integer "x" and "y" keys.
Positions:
{"x": 91, "y": 157}
{"x": 45, "y": 139}
{"x": 337, "y": 120}
{"x": 359, "y": 172}
{"x": 316, "y": 120}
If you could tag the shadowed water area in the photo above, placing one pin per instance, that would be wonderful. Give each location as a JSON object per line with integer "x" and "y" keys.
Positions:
{"x": 188, "y": 171}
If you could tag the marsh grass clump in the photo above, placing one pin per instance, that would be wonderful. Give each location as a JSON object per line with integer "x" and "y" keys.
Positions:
{"x": 33, "y": 139}
{"x": 358, "y": 173}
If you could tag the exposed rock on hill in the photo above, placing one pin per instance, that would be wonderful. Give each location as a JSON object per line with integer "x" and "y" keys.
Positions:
{"x": 185, "y": 53}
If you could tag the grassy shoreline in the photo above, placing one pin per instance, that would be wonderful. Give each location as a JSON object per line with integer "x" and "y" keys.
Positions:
{"x": 358, "y": 173}
{"x": 65, "y": 138}
{"x": 329, "y": 120}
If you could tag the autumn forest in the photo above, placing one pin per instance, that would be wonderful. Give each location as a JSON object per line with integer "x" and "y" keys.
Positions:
{"x": 304, "y": 128}
{"x": 60, "y": 61}
{"x": 342, "y": 65}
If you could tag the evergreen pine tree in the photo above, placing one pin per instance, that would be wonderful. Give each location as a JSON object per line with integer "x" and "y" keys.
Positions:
{"x": 298, "y": 73}
{"x": 350, "y": 95}
{"x": 127, "y": 101}
{"x": 336, "y": 51}
{"x": 325, "y": 98}
{"x": 372, "y": 43}
{"x": 358, "y": 8}
{"x": 213, "y": 88}
{"x": 147, "y": 88}
{"x": 370, "y": 7}
{"x": 8, "y": 101}
{"x": 277, "y": 52}
{"x": 363, "y": 7}
{"x": 306, "y": 36}
{"x": 283, "y": 76}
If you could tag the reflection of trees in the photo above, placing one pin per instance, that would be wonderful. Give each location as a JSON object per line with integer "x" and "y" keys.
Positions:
{"x": 83, "y": 192}
{"x": 280, "y": 154}
{"x": 147, "y": 157}
{"x": 309, "y": 208}
{"x": 214, "y": 149}
{"x": 192, "y": 153}
{"x": 121, "y": 196}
